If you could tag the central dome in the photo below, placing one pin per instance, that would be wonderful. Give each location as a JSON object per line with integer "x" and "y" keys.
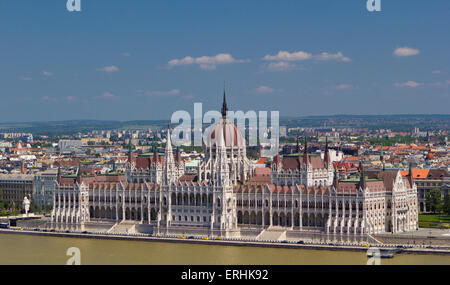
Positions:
{"x": 231, "y": 134}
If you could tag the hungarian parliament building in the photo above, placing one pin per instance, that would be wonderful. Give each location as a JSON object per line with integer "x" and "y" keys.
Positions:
{"x": 226, "y": 197}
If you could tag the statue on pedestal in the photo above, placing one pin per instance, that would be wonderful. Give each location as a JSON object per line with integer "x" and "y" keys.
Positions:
{"x": 26, "y": 205}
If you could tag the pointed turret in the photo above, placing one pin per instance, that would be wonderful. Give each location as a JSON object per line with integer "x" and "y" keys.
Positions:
{"x": 130, "y": 151}
{"x": 336, "y": 179}
{"x": 276, "y": 159}
{"x": 410, "y": 175}
{"x": 58, "y": 175}
{"x": 155, "y": 153}
{"x": 169, "y": 152}
{"x": 223, "y": 170}
{"x": 178, "y": 156}
{"x": 305, "y": 152}
{"x": 79, "y": 173}
{"x": 362, "y": 178}
{"x": 169, "y": 162}
{"x": 224, "y": 106}
{"x": 326, "y": 156}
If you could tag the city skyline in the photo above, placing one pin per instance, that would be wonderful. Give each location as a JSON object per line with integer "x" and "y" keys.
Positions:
{"x": 143, "y": 61}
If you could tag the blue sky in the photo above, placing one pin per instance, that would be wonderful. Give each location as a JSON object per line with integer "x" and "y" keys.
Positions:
{"x": 130, "y": 60}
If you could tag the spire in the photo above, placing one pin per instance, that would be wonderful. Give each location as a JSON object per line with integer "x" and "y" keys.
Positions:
{"x": 335, "y": 179}
{"x": 276, "y": 159}
{"x": 169, "y": 152}
{"x": 305, "y": 152}
{"x": 224, "y": 105}
{"x": 222, "y": 163}
{"x": 58, "y": 176}
{"x": 326, "y": 156}
{"x": 410, "y": 175}
{"x": 178, "y": 156}
{"x": 130, "y": 150}
{"x": 362, "y": 178}
{"x": 155, "y": 153}
{"x": 79, "y": 173}
{"x": 382, "y": 156}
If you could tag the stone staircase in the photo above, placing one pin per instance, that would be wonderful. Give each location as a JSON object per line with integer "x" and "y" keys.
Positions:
{"x": 124, "y": 227}
{"x": 272, "y": 233}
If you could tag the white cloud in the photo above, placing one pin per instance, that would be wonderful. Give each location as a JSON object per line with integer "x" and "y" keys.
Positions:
{"x": 280, "y": 66}
{"x": 47, "y": 73}
{"x": 301, "y": 55}
{"x": 126, "y": 54}
{"x": 286, "y": 56}
{"x": 110, "y": 68}
{"x": 436, "y": 72}
{"x": 263, "y": 90}
{"x": 26, "y": 78}
{"x": 406, "y": 51}
{"x": 206, "y": 62}
{"x": 410, "y": 84}
{"x": 332, "y": 56}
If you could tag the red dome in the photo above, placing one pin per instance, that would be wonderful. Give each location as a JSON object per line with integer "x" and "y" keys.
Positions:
{"x": 231, "y": 134}
{"x": 430, "y": 156}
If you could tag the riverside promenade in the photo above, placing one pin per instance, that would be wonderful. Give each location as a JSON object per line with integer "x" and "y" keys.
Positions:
{"x": 418, "y": 249}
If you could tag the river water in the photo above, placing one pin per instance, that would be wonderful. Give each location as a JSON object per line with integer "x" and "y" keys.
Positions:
{"x": 31, "y": 249}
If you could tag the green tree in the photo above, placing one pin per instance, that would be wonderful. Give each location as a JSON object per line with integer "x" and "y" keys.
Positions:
{"x": 252, "y": 154}
{"x": 447, "y": 204}
{"x": 434, "y": 200}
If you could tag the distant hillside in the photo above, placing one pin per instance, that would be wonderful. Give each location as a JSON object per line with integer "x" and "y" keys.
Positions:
{"x": 394, "y": 122}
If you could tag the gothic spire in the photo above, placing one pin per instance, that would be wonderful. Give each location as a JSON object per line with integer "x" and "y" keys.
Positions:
{"x": 224, "y": 105}
{"x": 336, "y": 179}
{"x": 169, "y": 152}
{"x": 410, "y": 175}
{"x": 305, "y": 152}
{"x": 79, "y": 173}
{"x": 130, "y": 150}
{"x": 362, "y": 178}
{"x": 326, "y": 156}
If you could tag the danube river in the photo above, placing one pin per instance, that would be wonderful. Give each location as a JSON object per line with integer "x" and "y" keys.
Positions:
{"x": 32, "y": 249}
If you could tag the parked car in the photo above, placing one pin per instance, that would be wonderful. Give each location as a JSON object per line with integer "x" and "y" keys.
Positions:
{"x": 300, "y": 242}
